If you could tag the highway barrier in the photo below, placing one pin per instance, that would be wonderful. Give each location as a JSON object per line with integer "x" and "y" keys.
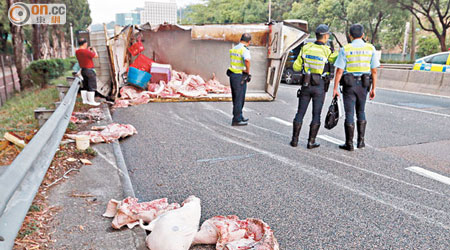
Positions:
{"x": 436, "y": 83}
{"x": 20, "y": 181}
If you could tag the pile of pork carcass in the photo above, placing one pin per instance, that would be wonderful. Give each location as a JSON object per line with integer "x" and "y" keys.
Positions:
{"x": 180, "y": 85}
{"x": 108, "y": 133}
{"x": 176, "y": 227}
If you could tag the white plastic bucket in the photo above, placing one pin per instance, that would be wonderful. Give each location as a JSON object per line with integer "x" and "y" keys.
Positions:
{"x": 82, "y": 142}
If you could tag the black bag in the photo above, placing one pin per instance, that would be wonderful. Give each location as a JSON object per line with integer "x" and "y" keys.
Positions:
{"x": 332, "y": 118}
{"x": 365, "y": 78}
{"x": 229, "y": 72}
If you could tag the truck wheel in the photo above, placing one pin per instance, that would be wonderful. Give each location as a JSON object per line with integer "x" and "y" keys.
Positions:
{"x": 289, "y": 76}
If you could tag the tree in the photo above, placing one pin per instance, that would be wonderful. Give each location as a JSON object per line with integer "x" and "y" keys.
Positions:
{"x": 227, "y": 11}
{"x": 375, "y": 15}
{"x": 432, "y": 16}
{"x": 4, "y": 27}
{"x": 19, "y": 49}
{"x": 428, "y": 45}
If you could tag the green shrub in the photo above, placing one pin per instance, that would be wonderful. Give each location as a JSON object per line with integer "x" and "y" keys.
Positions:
{"x": 428, "y": 45}
{"x": 69, "y": 62}
{"x": 42, "y": 71}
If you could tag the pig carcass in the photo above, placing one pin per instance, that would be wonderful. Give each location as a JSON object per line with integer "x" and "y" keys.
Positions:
{"x": 231, "y": 233}
{"x": 129, "y": 211}
{"x": 176, "y": 229}
{"x": 111, "y": 132}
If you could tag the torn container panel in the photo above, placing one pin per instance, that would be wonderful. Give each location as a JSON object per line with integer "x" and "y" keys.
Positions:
{"x": 204, "y": 51}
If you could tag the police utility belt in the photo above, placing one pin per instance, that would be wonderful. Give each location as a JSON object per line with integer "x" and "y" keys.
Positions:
{"x": 349, "y": 80}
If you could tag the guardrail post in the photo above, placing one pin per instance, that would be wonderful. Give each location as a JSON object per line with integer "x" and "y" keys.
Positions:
{"x": 62, "y": 89}
{"x": 42, "y": 115}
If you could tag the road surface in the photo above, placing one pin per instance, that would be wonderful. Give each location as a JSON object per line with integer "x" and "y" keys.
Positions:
{"x": 393, "y": 194}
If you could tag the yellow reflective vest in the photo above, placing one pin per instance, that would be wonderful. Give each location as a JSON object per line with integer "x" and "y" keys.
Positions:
{"x": 237, "y": 64}
{"x": 358, "y": 59}
{"x": 314, "y": 57}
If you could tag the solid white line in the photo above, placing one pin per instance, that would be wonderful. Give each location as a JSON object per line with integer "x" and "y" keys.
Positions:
{"x": 247, "y": 109}
{"x": 290, "y": 87}
{"x": 411, "y": 109}
{"x": 276, "y": 119}
{"x": 415, "y": 93}
{"x": 331, "y": 139}
{"x": 429, "y": 174}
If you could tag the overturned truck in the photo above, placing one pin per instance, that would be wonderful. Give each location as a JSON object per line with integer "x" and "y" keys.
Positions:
{"x": 203, "y": 51}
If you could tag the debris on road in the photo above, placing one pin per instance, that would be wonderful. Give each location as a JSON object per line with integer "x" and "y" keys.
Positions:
{"x": 93, "y": 114}
{"x": 14, "y": 139}
{"x": 176, "y": 229}
{"x": 129, "y": 211}
{"x": 173, "y": 227}
{"x": 71, "y": 159}
{"x": 180, "y": 85}
{"x": 111, "y": 132}
{"x": 86, "y": 162}
{"x": 231, "y": 233}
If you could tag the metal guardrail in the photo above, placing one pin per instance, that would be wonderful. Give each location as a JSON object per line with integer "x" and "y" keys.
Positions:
{"x": 21, "y": 180}
{"x": 397, "y": 66}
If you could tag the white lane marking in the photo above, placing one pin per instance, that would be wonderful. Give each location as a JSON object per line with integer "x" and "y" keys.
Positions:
{"x": 245, "y": 109}
{"x": 415, "y": 93}
{"x": 228, "y": 158}
{"x": 429, "y": 174}
{"x": 281, "y": 121}
{"x": 290, "y": 87}
{"x": 342, "y": 183}
{"x": 331, "y": 139}
{"x": 341, "y": 162}
{"x": 410, "y": 109}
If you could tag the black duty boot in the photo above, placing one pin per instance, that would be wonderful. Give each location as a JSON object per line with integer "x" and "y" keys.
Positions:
{"x": 297, "y": 126}
{"x": 361, "y": 125}
{"x": 349, "y": 132}
{"x": 313, "y": 130}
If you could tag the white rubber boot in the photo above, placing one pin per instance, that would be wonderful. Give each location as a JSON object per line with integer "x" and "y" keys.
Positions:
{"x": 91, "y": 98}
{"x": 84, "y": 96}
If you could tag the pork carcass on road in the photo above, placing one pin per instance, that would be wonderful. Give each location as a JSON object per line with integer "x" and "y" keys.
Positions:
{"x": 111, "y": 132}
{"x": 130, "y": 211}
{"x": 176, "y": 229}
{"x": 231, "y": 233}
{"x": 180, "y": 85}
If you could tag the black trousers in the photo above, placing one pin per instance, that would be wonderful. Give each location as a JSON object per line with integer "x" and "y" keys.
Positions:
{"x": 355, "y": 100}
{"x": 89, "y": 79}
{"x": 238, "y": 95}
{"x": 317, "y": 94}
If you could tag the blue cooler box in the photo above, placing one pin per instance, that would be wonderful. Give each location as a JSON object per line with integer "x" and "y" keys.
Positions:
{"x": 138, "y": 78}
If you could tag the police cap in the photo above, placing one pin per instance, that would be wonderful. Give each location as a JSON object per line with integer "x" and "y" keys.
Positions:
{"x": 356, "y": 30}
{"x": 322, "y": 29}
{"x": 246, "y": 37}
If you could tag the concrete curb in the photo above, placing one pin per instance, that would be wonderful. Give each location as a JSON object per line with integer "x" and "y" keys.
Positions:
{"x": 435, "y": 83}
{"x": 123, "y": 174}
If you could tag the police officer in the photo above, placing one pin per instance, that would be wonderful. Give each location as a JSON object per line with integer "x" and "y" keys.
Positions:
{"x": 357, "y": 71}
{"x": 239, "y": 73}
{"x": 312, "y": 60}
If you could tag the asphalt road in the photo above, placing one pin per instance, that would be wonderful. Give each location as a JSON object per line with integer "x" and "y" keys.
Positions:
{"x": 324, "y": 198}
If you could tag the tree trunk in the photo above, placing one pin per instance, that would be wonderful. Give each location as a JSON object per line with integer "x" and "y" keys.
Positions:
{"x": 45, "y": 42}
{"x": 62, "y": 40}
{"x": 19, "y": 49}
{"x": 56, "y": 46}
{"x": 413, "y": 39}
{"x": 35, "y": 42}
